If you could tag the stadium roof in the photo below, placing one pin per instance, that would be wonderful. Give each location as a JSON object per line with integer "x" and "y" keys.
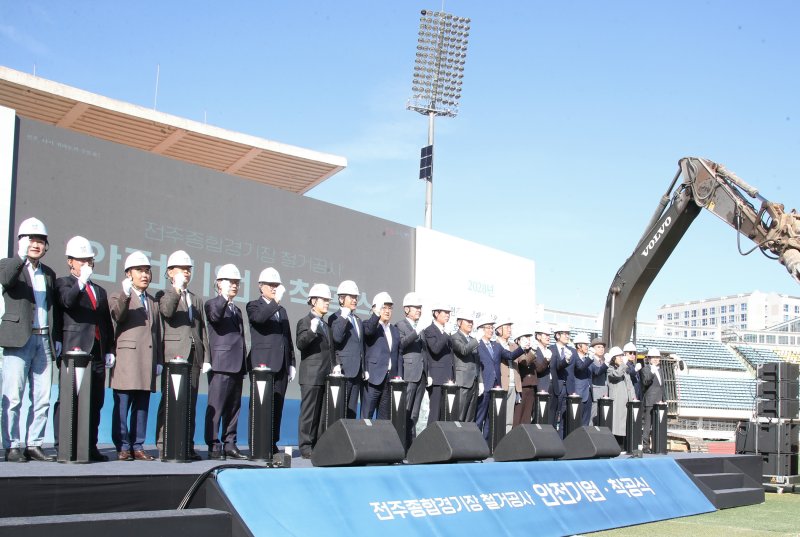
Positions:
{"x": 280, "y": 165}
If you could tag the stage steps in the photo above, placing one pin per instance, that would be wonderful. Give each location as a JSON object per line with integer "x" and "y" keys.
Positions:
{"x": 726, "y": 481}
{"x": 194, "y": 522}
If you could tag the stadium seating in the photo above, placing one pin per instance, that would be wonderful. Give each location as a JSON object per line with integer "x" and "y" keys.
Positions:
{"x": 757, "y": 355}
{"x": 716, "y": 392}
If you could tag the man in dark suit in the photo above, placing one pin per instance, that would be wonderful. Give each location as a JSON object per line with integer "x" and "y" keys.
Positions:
{"x": 543, "y": 357}
{"x": 227, "y": 367}
{"x": 440, "y": 359}
{"x": 559, "y": 364}
{"x": 86, "y": 325}
{"x": 412, "y": 351}
{"x": 31, "y": 314}
{"x": 467, "y": 366}
{"x": 347, "y": 332}
{"x": 653, "y": 385}
{"x": 139, "y": 358}
{"x": 582, "y": 376}
{"x": 382, "y": 358}
{"x": 316, "y": 358}
{"x": 271, "y": 341}
{"x": 634, "y": 367}
{"x": 185, "y": 335}
{"x": 599, "y": 370}
{"x": 523, "y": 412}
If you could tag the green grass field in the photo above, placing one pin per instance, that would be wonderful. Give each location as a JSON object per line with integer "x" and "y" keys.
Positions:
{"x": 778, "y": 516}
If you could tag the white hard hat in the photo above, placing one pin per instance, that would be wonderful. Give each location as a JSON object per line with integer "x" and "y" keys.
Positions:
{"x": 465, "y": 314}
{"x": 412, "y": 299}
{"x": 136, "y": 259}
{"x": 441, "y": 306}
{"x": 79, "y": 248}
{"x": 381, "y": 299}
{"x": 484, "y": 319}
{"x": 614, "y": 351}
{"x": 502, "y": 321}
{"x": 179, "y": 258}
{"x": 581, "y": 338}
{"x": 629, "y": 347}
{"x": 228, "y": 272}
{"x": 319, "y": 290}
{"x": 525, "y": 331}
{"x": 561, "y": 328}
{"x": 348, "y": 287}
{"x": 541, "y": 328}
{"x": 653, "y": 352}
{"x": 32, "y": 226}
{"x": 269, "y": 275}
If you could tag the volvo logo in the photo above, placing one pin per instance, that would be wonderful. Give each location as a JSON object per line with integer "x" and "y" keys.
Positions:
{"x": 661, "y": 229}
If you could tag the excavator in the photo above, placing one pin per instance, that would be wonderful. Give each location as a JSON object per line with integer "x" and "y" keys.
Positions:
{"x": 705, "y": 184}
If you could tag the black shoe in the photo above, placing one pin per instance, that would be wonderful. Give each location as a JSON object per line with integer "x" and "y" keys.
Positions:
{"x": 15, "y": 455}
{"x": 37, "y": 454}
{"x": 96, "y": 456}
{"x": 234, "y": 453}
{"x": 193, "y": 456}
{"x": 306, "y": 455}
{"x": 216, "y": 454}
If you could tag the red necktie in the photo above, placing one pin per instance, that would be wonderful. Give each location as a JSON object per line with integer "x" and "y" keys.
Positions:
{"x": 93, "y": 300}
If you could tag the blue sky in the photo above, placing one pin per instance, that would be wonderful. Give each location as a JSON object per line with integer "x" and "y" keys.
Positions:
{"x": 572, "y": 119}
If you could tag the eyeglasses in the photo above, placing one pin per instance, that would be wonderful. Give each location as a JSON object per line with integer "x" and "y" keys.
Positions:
{"x": 629, "y": 352}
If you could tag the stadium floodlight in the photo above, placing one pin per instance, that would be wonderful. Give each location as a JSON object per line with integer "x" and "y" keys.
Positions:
{"x": 438, "y": 73}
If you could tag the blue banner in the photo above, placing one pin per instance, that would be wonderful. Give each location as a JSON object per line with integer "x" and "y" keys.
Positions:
{"x": 549, "y": 498}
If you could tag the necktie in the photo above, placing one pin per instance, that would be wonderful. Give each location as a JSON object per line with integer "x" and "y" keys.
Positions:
{"x": 355, "y": 326}
{"x": 562, "y": 353}
{"x": 188, "y": 302}
{"x": 143, "y": 300}
{"x": 93, "y": 300}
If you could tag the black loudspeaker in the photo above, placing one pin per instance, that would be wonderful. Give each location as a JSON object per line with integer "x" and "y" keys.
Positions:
{"x": 448, "y": 441}
{"x": 774, "y": 437}
{"x": 590, "y": 442}
{"x": 528, "y": 442}
{"x": 785, "y": 389}
{"x": 778, "y": 409}
{"x": 785, "y": 464}
{"x": 356, "y": 442}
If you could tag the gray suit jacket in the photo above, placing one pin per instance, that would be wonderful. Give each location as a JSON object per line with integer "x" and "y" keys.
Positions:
{"x": 179, "y": 332}
{"x": 20, "y": 305}
{"x": 412, "y": 350}
{"x": 466, "y": 362}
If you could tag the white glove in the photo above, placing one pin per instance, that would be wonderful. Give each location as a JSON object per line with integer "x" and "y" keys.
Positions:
{"x": 625, "y": 359}
{"x": 86, "y": 273}
{"x": 127, "y": 285}
{"x": 292, "y": 373}
{"x": 110, "y": 360}
{"x": 366, "y": 375}
{"x": 420, "y": 329}
{"x": 159, "y": 369}
{"x": 224, "y": 288}
{"x": 206, "y": 367}
{"x": 337, "y": 370}
{"x": 638, "y": 367}
{"x": 567, "y": 355}
{"x": 607, "y": 359}
{"x": 24, "y": 243}
{"x": 58, "y": 348}
{"x": 279, "y": 292}
{"x": 345, "y": 312}
{"x": 548, "y": 354}
{"x": 524, "y": 342}
{"x": 480, "y": 389}
{"x": 179, "y": 281}
{"x": 314, "y": 324}
{"x": 430, "y": 381}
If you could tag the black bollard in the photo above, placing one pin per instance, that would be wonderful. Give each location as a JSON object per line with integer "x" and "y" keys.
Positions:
{"x": 542, "y": 409}
{"x": 262, "y": 408}
{"x": 497, "y": 416}
{"x": 449, "y": 407}
{"x": 659, "y": 427}
{"x": 335, "y": 403}
{"x": 605, "y": 412}
{"x": 397, "y": 411}
{"x": 633, "y": 427}
{"x": 574, "y": 414}
{"x": 75, "y": 399}
{"x": 178, "y": 412}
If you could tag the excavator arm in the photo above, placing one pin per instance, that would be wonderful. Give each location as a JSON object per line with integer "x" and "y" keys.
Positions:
{"x": 706, "y": 185}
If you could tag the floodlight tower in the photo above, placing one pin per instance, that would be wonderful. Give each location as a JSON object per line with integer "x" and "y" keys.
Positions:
{"x": 436, "y": 88}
